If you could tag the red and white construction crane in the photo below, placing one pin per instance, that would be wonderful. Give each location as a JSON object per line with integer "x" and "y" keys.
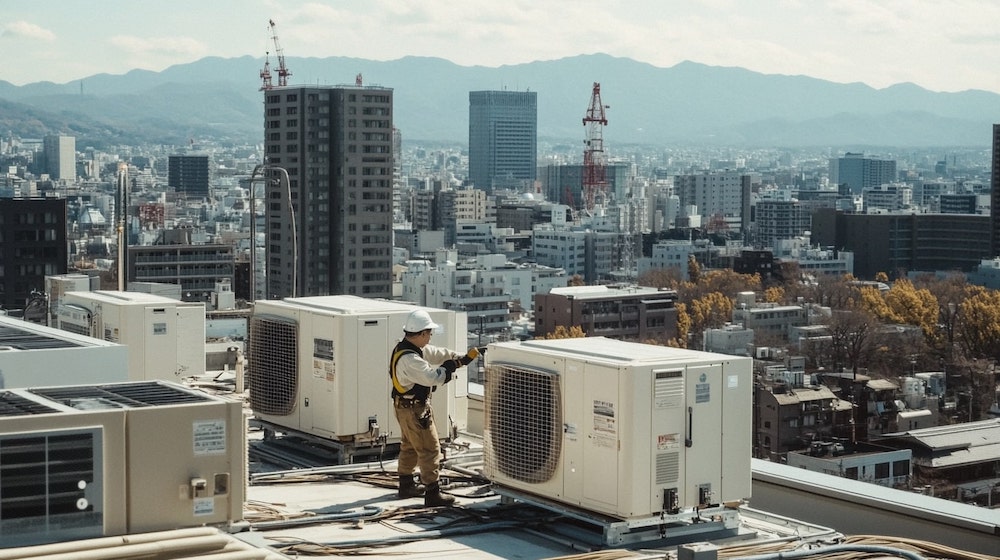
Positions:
{"x": 283, "y": 71}
{"x": 595, "y": 162}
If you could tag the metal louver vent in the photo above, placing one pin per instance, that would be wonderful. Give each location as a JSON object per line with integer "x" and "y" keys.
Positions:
{"x": 51, "y": 483}
{"x": 272, "y": 364}
{"x": 668, "y": 467}
{"x": 127, "y": 395}
{"x": 12, "y": 404}
{"x": 523, "y": 422}
{"x": 20, "y": 339}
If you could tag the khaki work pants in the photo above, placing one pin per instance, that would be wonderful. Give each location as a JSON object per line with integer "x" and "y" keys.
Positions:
{"x": 419, "y": 445}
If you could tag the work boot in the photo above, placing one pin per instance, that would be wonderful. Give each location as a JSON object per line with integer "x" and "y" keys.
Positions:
{"x": 434, "y": 497}
{"x": 408, "y": 488}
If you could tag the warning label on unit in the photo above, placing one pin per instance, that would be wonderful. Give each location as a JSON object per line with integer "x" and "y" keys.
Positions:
{"x": 204, "y": 506}
{"x": 209, "y": 437}
{"x": 702, "y": 392}
{"x": 605, "y": 430}
{"x": 667, "y": 441}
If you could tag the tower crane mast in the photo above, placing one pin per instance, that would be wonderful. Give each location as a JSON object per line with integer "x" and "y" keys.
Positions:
{"x": 595, "y": 163}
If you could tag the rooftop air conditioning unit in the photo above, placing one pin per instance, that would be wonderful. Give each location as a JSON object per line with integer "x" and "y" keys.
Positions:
{"x": 320, "y": 366}
{"x": 102, "y": 460}
{"x": 622, "y": 429}
{"x": 165, "y": 337}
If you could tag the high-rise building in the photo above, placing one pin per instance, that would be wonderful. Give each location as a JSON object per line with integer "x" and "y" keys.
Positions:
{"x": 60, "y": 156}
{"x": 33, "y": 234}
{"x": 330, "y": 156}
{"x": 503, "y": 143}
{"x": 855, "y": 172}
{"x": 995, "y": 194}
{"x": 188, "y": 175}
{"x": 722, "y": 198}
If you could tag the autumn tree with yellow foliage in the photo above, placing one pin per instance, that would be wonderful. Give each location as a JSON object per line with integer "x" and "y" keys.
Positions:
{"x": 562, "y": 332}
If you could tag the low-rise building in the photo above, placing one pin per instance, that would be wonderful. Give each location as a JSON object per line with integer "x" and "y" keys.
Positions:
{"x": 626, "y": 313}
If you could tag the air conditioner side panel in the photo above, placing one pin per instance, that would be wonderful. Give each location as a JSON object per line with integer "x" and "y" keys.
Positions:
{"x": 602, "y": 427}
{"x": 171, "y": 449}
{"x": 737, "y": 430}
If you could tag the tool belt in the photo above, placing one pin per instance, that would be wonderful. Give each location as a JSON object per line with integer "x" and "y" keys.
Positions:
{"x": 411, "y": 402}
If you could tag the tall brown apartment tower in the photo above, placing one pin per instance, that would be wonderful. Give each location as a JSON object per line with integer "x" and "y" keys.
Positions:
{"x": 330, "y": 155}
{"x": 995, "y": 194}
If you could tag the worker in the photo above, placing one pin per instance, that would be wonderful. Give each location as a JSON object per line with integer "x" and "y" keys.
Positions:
{"x": 417, "y": 369}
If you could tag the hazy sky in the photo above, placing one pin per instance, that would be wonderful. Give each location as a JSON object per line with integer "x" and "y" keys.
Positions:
{"x": 942, "y": 45}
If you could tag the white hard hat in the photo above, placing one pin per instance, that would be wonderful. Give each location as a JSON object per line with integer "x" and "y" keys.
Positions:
{"x": 419, "y": 321}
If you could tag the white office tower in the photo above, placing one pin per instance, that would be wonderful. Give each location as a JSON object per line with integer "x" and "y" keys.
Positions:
{"x": 165, "y": 337}
{"x": 84, "y": 461}
{"x": 320, "y": 366}
{"x": 622, "y": 429}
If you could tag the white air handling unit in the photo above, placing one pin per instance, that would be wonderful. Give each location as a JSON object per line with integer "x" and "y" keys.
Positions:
{"x": 622, "y": 429}
{"x": 320, "y": 365}
{"x": 86, "y": 461}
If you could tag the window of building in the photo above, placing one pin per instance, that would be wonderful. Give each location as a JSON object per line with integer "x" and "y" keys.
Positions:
{"x": 851, "y": 473}
{"x": 900, "y": 468}
{"x": 882, "y": 470}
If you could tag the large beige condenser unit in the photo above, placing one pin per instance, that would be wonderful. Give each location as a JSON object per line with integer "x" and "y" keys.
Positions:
{"x": 101, "y": 460}
{"x": 622, "y": 429}
{"x": 320, "y": 366}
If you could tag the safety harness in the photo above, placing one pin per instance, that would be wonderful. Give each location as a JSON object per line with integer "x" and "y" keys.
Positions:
{"x": 417, "y": 392}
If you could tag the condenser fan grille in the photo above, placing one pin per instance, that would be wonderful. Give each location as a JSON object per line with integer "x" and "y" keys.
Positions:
{"x": 126, "y": 395}
{"x": 12, "y": 404}
{"x": 523, "y": 422}
{"x": 273, "y": 365}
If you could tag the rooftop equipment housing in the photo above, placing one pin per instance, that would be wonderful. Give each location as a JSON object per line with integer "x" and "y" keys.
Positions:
{"x": 621, "y": 429}
{"x": 85, "y": 461}
{"x": 320, "y": 366}
{"x": 165, "y": 337}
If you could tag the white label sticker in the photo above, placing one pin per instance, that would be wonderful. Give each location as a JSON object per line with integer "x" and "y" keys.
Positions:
{"x": 210, "y": 437}
{"x": 204, "y": 506}
{"x": 734, "y": 381}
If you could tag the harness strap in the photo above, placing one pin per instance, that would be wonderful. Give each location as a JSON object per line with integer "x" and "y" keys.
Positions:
{"x": 392, "y": 369}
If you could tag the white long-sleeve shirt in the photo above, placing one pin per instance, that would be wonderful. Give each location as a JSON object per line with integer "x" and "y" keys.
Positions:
{"x": 413, "y": 370}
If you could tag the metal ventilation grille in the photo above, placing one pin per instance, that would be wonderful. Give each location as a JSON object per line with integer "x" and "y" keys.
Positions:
{"x": 126, "y": 395}
{"x": 47, "y": 482}
{"x": 668, "y": 467}
{"x": 523, "y": 434}
{"x": 26, "y": 340}
{"x": 12, "y": 404}
{"x": 272, "y": 364}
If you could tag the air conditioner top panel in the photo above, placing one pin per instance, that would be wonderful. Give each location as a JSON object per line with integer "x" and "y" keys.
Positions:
{"x": 122, "y": 395}
{"x": 22, "y": 335}
{"x": 14, "y": 404}
{"x": 344, "y": 304}
{"x": 616, "y": 351}
{"x": 124, "y": 298}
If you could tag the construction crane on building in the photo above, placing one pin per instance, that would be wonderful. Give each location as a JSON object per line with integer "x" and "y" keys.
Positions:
{"x": 595, "y": 163}
{"x": 265, "y": 74}
{"x": 283, "y": 71}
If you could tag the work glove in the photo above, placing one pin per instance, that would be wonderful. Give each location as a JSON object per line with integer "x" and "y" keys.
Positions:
{"x": 472, "y": 354}
{"x": 449, "y": 369}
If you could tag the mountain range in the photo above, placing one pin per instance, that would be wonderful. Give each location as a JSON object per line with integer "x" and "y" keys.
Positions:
{"x": 686, "y": 104}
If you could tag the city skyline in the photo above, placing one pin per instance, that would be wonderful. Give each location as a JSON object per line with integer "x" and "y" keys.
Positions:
{"x": 948, "y": 46}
